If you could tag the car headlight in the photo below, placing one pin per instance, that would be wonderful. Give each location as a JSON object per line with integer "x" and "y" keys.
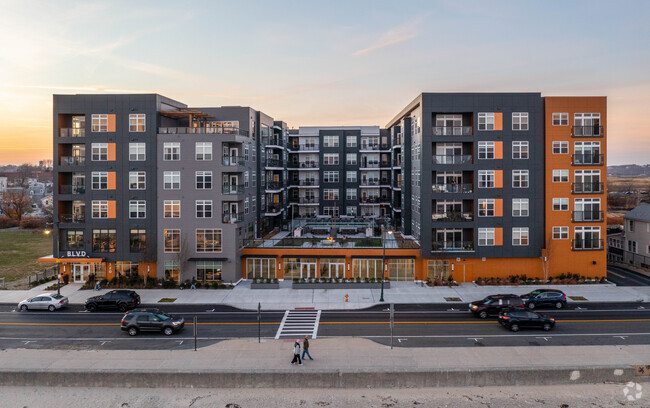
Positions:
{"x": 176, "y": 323}
{"x": 474, "y": 307}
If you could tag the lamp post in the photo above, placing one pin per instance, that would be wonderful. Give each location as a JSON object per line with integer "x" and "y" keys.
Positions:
{"x": 383, "y": 260}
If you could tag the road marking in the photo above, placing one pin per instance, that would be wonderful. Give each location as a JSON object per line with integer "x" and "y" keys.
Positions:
{"x": 616, "y": 274}
{"x": 180, "y": 342}
{"x": 302, "y": 322}
{"x": 545, "y": 338}
{"x": 476, "y": 339}
{"x": 104, "y": 342}
{"x": 622, "y": 337}
{"x": 400, "y": 340}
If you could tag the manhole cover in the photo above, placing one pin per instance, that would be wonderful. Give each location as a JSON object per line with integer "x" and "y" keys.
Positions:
{"x": 582, "y": 298}
{"x": 453, "y": 299}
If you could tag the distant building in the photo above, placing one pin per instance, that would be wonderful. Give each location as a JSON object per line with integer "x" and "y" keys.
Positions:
{"x": 3, "y": 184}
{"x": 632, "y": 246}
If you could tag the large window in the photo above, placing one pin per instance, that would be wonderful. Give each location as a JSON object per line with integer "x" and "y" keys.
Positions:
{"x": 560, "y": 232}
{"x": 137, "y": 180}
{"x": 99, "y": 180}
{"x": 486, "y": 236}
{"x": 261, "y": 268}
{"x": 331, "y": 159}
{"x": 560, "y": 147}
{"x": 351, "y": 211}
{"x": 208, "y": 271}
{"x": 100, "y": 209}
{"x": 172, "y": 180}
{"x": 437, "y": 269}
{"x": 73, "y": 239}
{"x": 330, "y": 141}
{"x": 486, "y": 150}
{"x": 331, "y": 177}
{"x": 351, "y": 141}
{"x": 172, "y": 240}
{"x": 560, "y": 119}
{"x": 99, "y": 151}
{"x": 401, "y": 269}
{"x": 137, "y": 122}
{"x": 560, "y": 204}
{"x": 520, "y": 236}
{"x": 486, "y": 178}
{"x": 366, "y": 268}
{"x": 208, "y": 240}
{"x": 350, "y": 193}
{"x": 203, "y": 208}
{"x": 486, "y": 207}
{"x": 204, "y": 180}
{"x": 331, "y": 211}
{"x": 351, "y": 159}
{"x": 138, "y": 240}
{"x": 99, "y": 123}
{"x": 172, "y": 208}
{"x": 519, "y": 150}
{"x": 137, "y": 152}
{"x": 172, "y": 270}
{"x": 560, "y": 176}
{"x": 171, "y": 151}
{"x": 137, "y": 209}
{"x": 332, "y": 267}
{"x": 520, "y": 121}
{"x": 520, "y": 178}
{"x": 127, "y": 269}
{"x": 104, "y": 240}
{"x": 331, "y": 194}
{"x": 203, "y": 150}
{"x": 485, "y": 121}
{"x": 520, "y": 207}
{"x": 350, "y": 176}
{"x": 587, "y": 238}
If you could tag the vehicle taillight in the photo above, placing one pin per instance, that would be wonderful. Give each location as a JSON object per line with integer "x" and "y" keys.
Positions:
{"x": 565, "y": 296}
{"x": 61, "y": 301}
{"x": 123, "y": 321}
{"x": 505, "y": 317}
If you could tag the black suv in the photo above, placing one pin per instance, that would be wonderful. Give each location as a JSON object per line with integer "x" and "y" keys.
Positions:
{"x": 493, "y": 304}
{"x": 138, "y": 320}
{"x": 121, "y": 300}
{"x": 545, "y": 297}
{"x": 517, "y": 318}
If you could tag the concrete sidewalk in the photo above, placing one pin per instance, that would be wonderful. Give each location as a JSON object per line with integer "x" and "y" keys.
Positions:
{"x": 338, "y": 363}
{"x": 242, "y": 296}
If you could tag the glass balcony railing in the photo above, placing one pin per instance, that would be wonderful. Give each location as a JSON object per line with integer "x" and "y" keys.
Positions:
{"x": 273, "y": 163}
{"x": 452, "y": 216}
{"x": 587, "y": 216}
{"x": 72, "y": 218}
{"x": 452, "y": 159}
{"x": 587, "y": 131}
{"x": 233, "y": 161}
{"x": 273, "y": 209}
{"x": 455, "y": 246}
{"x": 71, "y": 189}
{"x": 587, "y": 159}
{"x": 452, "y": 188}
{"x": 452, "y": 131}
{"x": 72, "y": 132}
{"x": 201, "y": 131}
{"x": 72, "y": 160}
{"x": 273, "y": 185}
{"x": 303, "y": 165}
{"x": 587, "y": 188}
{"x": 233, "y": 189}
{"x": 304, "y": 200}
{"x": 232, "y": 218}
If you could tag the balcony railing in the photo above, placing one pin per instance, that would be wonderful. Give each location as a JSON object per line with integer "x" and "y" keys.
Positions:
{"x": 587, "y": 216}
{"x": 587, "y": 159}
{"x": 232, "y": 218}
{"x": 304, "y": 200}
{"x": 303, "y": 147}
{"x": 455, "y": 246}
{"x": 198, "y": 130}
{"x": 397, "y": 184}
{"x": 72, "y": 132}
{"x": 273, "y": 163}
{"x": 397, "y": 163}
{"x": 374, "y": 147}
{"x": 273, "y": 141}
{"x": 587, "y": 188}
{"x": 233, "y": 189}
{"x": 306, "y": 182}
{"x": 303, "y": 165}
{"x": 71, "y": 189}
{"x": 72, "y": 218}
{"x": 374, "y": 200}
{"x": 452, "y": 188}
{"x": 452, "y": 216}
{"x": 273, "y": 185}
{"x": 72, "y": 160}
{"x": 587, "y": 245}
{"x": 370, "y": 182}
{"x": 370, "y": 165}
{"x": 587, "y": 131}
{"x": 273, "y": 209}
{"x": 452, "y": 130}
{"x": 452, "y": 159}
{"x": 233, "y": 161}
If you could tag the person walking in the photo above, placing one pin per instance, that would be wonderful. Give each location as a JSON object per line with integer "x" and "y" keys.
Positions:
{"x": 296, "y": 353}
{"x": 305, "y": 348}
{"x": 193, "y": 283}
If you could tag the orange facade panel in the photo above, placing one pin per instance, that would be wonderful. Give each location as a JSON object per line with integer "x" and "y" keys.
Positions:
{"x": 498, "y": 178}
{"x": 498, "y": 207}
{"x": 498, "y": 120}
{"x": 111, "y": 123}
{"x": 112, "y": 182}
{"x": 112, "y": 211}
{"x": 111, "y": 152}
{"x": 498, "y": 150}
{"x": 498, "y": 236}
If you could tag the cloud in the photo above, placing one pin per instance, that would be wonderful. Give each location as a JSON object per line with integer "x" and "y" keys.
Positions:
{"x": 394, "y": 36}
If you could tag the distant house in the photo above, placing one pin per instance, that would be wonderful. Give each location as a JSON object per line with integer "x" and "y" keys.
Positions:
{"x": 632, "y": 246}
{"x": 3, "y": 184}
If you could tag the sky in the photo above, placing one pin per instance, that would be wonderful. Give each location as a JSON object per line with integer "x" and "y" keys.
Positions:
{"x": 315, "y": 63}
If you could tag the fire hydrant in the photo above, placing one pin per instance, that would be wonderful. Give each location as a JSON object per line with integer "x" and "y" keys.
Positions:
{"x": 346, "y": 297}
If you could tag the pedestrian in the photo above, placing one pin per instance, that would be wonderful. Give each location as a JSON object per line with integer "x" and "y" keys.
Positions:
{"x": 305, "y": 348}
{"x": 296, "y": 353}
{"x": 98, "y": 286}
{"x": 193, "y": 283}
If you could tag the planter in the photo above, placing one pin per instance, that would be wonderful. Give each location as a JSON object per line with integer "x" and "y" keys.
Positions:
{"x": 345, "y": 285}
{"x": 265, "y": 285}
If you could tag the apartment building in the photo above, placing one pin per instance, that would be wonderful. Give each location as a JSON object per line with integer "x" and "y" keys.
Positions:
{"x": 632, "y": 246}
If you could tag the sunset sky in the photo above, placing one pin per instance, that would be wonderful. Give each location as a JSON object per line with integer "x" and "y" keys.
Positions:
{"x": 321, "y": 63}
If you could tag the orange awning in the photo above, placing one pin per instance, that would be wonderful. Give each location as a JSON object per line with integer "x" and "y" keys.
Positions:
{"x": 51, "y": 259}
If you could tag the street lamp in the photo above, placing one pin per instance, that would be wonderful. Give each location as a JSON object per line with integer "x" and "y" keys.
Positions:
{"x": 383, "y": 259}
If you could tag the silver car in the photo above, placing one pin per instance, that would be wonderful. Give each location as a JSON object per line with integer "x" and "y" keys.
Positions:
{"x": 45, "y": 301}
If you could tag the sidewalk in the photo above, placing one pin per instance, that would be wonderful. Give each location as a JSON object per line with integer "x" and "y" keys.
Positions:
{"x": 242, "y": 296}
{"x": 338, "y": 363}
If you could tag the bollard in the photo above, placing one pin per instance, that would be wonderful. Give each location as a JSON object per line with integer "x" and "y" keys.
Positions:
{"x": 346, "y": 297}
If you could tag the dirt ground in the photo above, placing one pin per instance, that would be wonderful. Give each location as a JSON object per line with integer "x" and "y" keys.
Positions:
{"x": 568, "y": 396}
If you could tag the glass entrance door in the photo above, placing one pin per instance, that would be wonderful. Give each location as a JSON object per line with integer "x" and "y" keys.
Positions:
{"x": 80, "y": 272}
{"x": 307, "y": 269}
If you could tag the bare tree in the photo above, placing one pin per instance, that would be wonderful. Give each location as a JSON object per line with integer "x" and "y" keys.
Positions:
{"x": 24, "y": 172}
{"x": 546, "y": 258}
{"x": 15, "y": 205}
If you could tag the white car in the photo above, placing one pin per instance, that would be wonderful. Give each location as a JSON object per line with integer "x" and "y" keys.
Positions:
{"x": 45, "y": 301}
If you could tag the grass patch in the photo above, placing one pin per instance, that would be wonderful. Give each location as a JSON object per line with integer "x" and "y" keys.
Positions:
{"x": 19, "y": 253}
{"x": 167, "y": 300}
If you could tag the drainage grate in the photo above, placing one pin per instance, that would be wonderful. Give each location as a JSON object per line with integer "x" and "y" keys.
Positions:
{"x": 453, "y": 299}
{"x": 582, "y": 298}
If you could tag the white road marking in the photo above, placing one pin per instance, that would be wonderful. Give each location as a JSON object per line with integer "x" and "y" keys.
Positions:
{"x": 400, "y": 340}
{"x": 545, "y": 338}
{"x": 621, "y": 337}
{"x": 299, "y": 323}
{"x": 104, "y": 342}
{"x": 476, "y": 339}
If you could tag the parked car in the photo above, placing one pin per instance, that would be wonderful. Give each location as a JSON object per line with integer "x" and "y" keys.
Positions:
{"x": 493, "y": 304}
{"x": 121, "y": 300}
{"x": 545, "y": 297}
{"x": 138, "y": 320}
{"x": 45, "y": 301}
{"x": 521, "y": 318}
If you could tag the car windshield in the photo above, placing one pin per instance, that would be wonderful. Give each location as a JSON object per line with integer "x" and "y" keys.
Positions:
{"x": 534, "y": 293}
{"x": 487, "y": 301}
{"x": 55, "y": 296}
{"x": 163, "y": 316}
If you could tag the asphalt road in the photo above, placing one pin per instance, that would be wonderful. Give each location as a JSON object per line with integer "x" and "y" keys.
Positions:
{"x": 624, "y": 277}
{"x": 434, "y": 325}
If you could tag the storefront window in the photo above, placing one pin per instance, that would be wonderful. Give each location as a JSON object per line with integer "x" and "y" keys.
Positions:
{"x": 126, "y": 269}
{"x": 401, "y": 269}
{"x": 208, "y": 270}
{"x": 366, "y": 268}
{"x": 260, "y": 268}
{"x": 437, "y": 269}
{"x": 332, "y": 267}
{"x": 291, "y": 268}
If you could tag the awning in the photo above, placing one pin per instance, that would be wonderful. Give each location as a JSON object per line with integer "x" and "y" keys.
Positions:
{"x": 207, "y": 259}
{"x": 52, "y": 259}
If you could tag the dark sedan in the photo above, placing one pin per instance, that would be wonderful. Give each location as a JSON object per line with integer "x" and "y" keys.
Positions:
{"x": 520, "y": 318}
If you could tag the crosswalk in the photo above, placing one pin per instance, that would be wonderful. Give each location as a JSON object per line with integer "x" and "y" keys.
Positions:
{"x": 299, "y": 323}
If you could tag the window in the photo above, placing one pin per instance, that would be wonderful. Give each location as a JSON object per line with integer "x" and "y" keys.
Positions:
{"x": 350, "y": 176}
{"x": 486, "y": 178}
{"x": 560, "y": 204}
{"x": 99, "y": 180}
{"x": 351, "y": 159}
{"x": 351, "y": 211}
{"x": 99, "y": 123}
{"x": 137, "y": 122}
{"x": 520, "y": 178}
{"x": 203, "y": 150}
{"x": 560, "y": 147}
{"x": 351, "y": 141}
{"x": 203, "y": 208}
{"x": 486, "y": 207}
{"x": 137, "y": 209}
{"x": 587, "y": 209}
{"x": 246, "y": 152}
{"x": 247, "y": 206}
{"x": 485, "y": 121}
{"x": 519, "y": 150}
{"x": 172, "y": 270}
{"x": 137, "y": 180}
{"x": 331, "y": 211}
{"x": 100, "y": 209}
{"x": 204, "y": 180}
{"x": 99, "y": 151}
{"x": 138, "y": 240}
{"x": 486, "y": 236}
{"x": 560, "y": 119}
{"x": 520, "y": 236}
{"x": 73, "y": 239}
{"x": 587, "y": 238}
{"x": 208, "y": 271}
{"x": 208, "y": 240}
{"x": 331, "y": 159}
{"x": 630, "y": 224}
{"x": 520, "y": 207}
{"x": 104, "y": 240}
{"x": 172, "y": 240}
{"x": 560, "y": 176}
{"x": 486, "y": 150}
{"x": 330, "y": 141}
{"x": 172, "y": 209}
{"x": 245, "y": 179}
{"x": 351, "y": 194}
{"x": 254, "y": 204}
{"x": 137, "y": 152}
{"x": 520, "y": 121}
{"x": 560, "y": 232}
{"x": 331, "y": 194}
{"x": 171, "y": 151}
{"x": 261, "y": 268}
{"x": 172, "y": 180}
{"x": 631, "y": 246}
{"x": 331, "y": 177}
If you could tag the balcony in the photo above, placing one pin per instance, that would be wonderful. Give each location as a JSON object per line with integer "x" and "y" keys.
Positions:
{"x": 452, "y": 217}
{"x": 587, "y": 216}
{"x": 369, "y": 183}
{"x": 202, "y": 131}
{"x": 452, "y": 131}
{"x": 587, "y": 245}
{"x": 452, "y": 159}
{"x": 233, "y": 161}
{"x": 452, "y": 188}
{"x": 587, "y": 131}
{"x": 274, "y": 185}
{"x": 71, "y": 189}
{"x": 397, "y": 185}
{"x": 374, "y": 147}
{"x": 587, "y": 159}
{"x": 305, "y": 200}
{"x": 273, "y": 163}
{"x": 72, "y": 160}
{"x": 273, "y": 141}
{"x": 72, "y": 132}
{"x": 233, "y": 218}
{"x": 273, "y": 209}
{"x": 305, "y": 183}
{"x": 303, "y": 148}
{"x": 452, "y": 246}
{"x": 72, "y": 218}
{"x": 374, "y": 200}
{"x": 369, "y": 165}
{"x": 233, "y": 189}
{"x": 587, "y": 188}
{"x": 397, "y": 163}
{"x": 306, "y": 165}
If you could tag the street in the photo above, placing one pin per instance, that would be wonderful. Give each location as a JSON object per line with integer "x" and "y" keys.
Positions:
{"x": 624, "y": 277}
